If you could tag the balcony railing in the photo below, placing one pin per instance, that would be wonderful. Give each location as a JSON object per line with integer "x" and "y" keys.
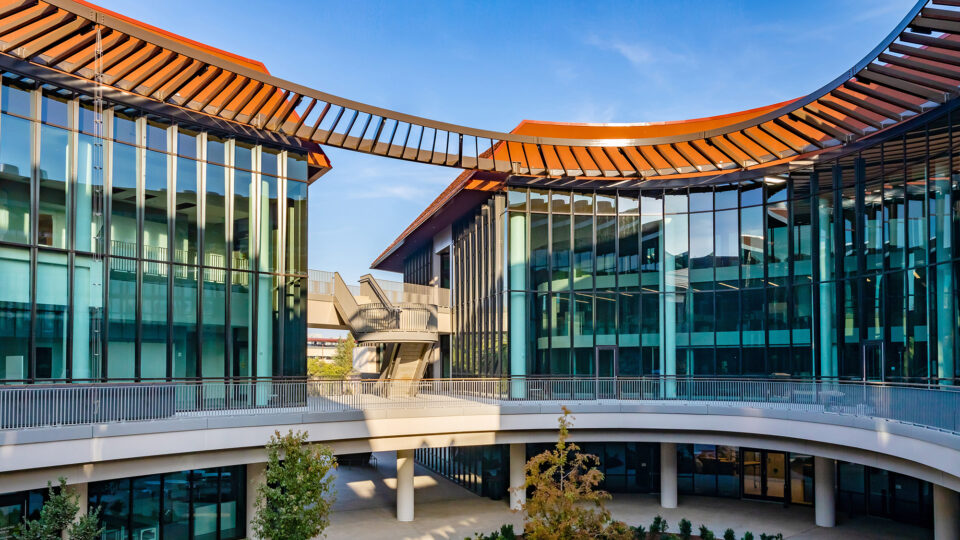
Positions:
{"x": 408, "y": 318}
{"x": 321, "y": 283}
{"x": 47, "y": 405}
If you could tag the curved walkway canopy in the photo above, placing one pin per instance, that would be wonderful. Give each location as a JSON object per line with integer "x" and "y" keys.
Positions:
{"x": 917, "y": 67}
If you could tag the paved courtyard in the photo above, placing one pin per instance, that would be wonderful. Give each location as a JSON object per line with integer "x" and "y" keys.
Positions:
{"x": 366, "y": 503}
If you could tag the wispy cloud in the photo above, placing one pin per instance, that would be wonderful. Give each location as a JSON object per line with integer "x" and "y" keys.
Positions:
{"x": 638, "y": 54}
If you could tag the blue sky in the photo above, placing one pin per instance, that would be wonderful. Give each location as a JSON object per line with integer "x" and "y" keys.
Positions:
{"x": 492, "y": 64}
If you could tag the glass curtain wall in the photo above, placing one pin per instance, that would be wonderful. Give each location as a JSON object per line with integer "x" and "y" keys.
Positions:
{"x": 478, "y": 346}
{"x": 157, "y": 252}
{"x": 848, "y": 270}
{"x": 201, "y": 503}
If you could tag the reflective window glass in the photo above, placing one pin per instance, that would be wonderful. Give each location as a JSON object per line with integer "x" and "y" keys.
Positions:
{"x": 154, "y": 321}
{"x": 186, "y": 212}
{"x": 215, "y": 226}
{"x": 241, "y": 219}
{"x": 155, "y": 234}
{"x": 539, "y": 200}
{"x": 51, "y": 327}
{"x": 184, "y": 330}
{"x": 16, "y": 97}
{"x": 15, "y": 311}
{"x": 15, "y": 167}
{"x": 214, "y": 319}
{"x": 296, "y": 227}
{"x": 54, "y": 109}
{"x": 296, "y": 166}
{"x": 157, "y": 136}
{"x": 583, "y": 252}
{"x": 122, "y": 322}
{"x": 123, "y": 206}
{"x": 54, "y": 167}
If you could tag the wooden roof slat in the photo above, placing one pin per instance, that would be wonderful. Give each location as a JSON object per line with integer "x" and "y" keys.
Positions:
{"x": 21, "y": 19}
{"x": 109, "y": 42}
{"x": 237, "y": 85}
{"x": 805, "y": 117}
{"x": 870, "y": 105}
{"x": 887, "y": 97}
{"x": 694, "y": 157}
{"x": 900, "y": 82}
{"x": 197, "y": 86}
{"x": 131, "y": 64}
{"x": 771, "y": 144}
{"x": 675, "y": 159}
{"x": 254, "y": 90}
{"x": 929, "y": 41}
{"x": 924, "y": 67}
{"x": 180, "y": 81}
{"x": 73, "y": 45}
{"x": 835, "y": 105}
{"x": 843, "y": 124}
{"x": 161, "y": 61}
{"x": 186, "y": 65}
{"x": 43, "y": 33}
{"x": 925, "y": 54}
{"x": 794, "y": 142}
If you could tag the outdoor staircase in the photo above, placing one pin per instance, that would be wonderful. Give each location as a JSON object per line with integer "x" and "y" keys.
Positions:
{"x": 408, "y": 363}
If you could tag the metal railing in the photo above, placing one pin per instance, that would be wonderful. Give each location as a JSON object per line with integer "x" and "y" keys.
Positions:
{"x": 377, "y": 318}
{"x": 85, "y": 404}
{"x": 321, "y": 283}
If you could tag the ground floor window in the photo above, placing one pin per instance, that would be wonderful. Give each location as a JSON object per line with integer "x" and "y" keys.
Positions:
{"x": 201, "y": 504}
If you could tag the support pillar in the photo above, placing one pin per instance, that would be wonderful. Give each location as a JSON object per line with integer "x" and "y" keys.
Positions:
{"x": 946, "y": 513}
{"x": 404, "y": 485}
{"x": 256, "y": 476}
{"x": 80, "y": 491}
{"x": 518, "y": 477}
{"x": 825, "y": 480}
{"x": 668, "y": 475}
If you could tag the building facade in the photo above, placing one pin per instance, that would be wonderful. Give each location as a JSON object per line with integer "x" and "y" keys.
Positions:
{"x": 153, "y": 225}
{"x": 138, "y": 248}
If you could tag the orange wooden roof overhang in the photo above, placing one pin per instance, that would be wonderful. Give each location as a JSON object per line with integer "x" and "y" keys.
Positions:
{"x": 913, "y": 69}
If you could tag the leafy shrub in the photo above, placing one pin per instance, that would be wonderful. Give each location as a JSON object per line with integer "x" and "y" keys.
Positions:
{"x": 686, "y": 529}
{"x": 639, "y": 533}
{"x": 659, "y": 525}
{"x": 729, "y": 535}
{"x": 505, "y": 533}
{"x": 765, "y": 536}
{"x": 705, "y": 533}
{"x": 748, "y": 535}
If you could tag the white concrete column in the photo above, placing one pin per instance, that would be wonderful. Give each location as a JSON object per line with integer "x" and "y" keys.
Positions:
{"x": 668, "y": 475}
{"x": 404, "y": 485}
{"x": 825, "y": 480}
{"x": 256, "y": 475}
{"x": 80, "y": 491}
{"x": 518, "y": 477}
{"x": 946, "y": 513}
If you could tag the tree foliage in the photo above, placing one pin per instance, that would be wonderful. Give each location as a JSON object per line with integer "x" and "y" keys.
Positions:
{"x": 564, "y": 503}
{"x": 340, "y": 364}
{"x": 59, "y": 514}
{"x": 294, "y": 503}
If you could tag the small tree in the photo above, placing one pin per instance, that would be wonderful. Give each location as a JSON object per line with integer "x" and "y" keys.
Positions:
{"x": 340, "y": 364}
{"x": 565, "y": 503}
{"x": 57, "y": 516}
{"x": 294, "y": 503}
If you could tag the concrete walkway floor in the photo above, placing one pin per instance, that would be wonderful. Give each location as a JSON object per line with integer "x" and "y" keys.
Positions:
{"x": 366, "y": 504}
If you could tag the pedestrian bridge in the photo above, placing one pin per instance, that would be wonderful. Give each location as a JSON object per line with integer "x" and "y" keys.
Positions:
{"x": 101, "y": 432}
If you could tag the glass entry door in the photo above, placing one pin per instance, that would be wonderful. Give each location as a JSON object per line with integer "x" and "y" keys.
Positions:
{"x": 764, "y": 474}
{"x": 606, "y": 370}
{"x": 873, "y": 361}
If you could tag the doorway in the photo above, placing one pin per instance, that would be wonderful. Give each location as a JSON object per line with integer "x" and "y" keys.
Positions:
{"x": 764, "y": 474}
{"x": 605, "y": 359}
{"x": 872, "y": 361}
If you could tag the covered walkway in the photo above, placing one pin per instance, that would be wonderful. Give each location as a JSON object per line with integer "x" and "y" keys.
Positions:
{"x": 365, "y": 510}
